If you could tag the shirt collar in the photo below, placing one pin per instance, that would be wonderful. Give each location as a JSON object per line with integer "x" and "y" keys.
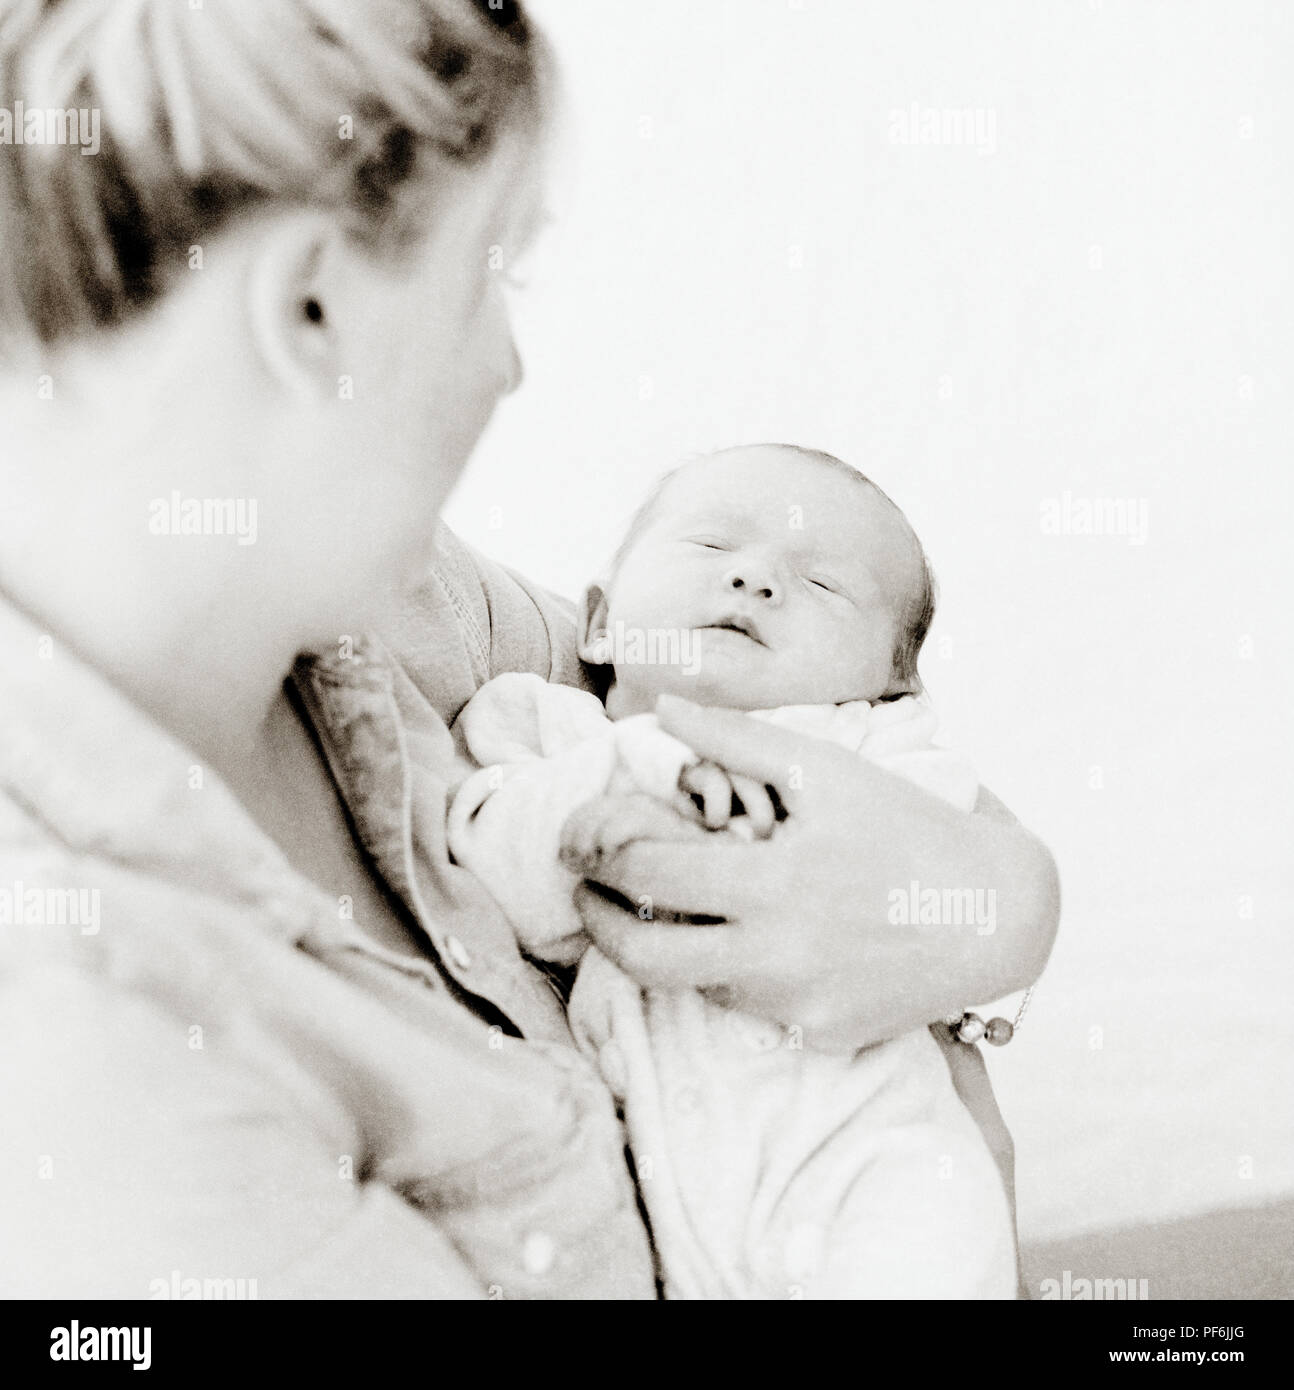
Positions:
{"x": 104, "y": 779}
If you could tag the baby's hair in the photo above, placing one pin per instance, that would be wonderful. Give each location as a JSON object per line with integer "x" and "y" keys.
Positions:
{"x": 204, "y": 113}
{"x": 919, "y": 608}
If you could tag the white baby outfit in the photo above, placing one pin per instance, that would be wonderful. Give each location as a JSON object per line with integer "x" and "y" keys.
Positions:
{"x": 768, "y": 1169}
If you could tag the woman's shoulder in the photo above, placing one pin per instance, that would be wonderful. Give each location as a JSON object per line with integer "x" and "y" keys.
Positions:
{"x": 471, "y": 619}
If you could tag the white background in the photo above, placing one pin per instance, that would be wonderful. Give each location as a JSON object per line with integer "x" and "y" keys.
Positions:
{"x": 1100, "y": 304}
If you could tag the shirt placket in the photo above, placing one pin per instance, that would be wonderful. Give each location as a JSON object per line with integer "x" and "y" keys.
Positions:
{"x": 379, "y": 782}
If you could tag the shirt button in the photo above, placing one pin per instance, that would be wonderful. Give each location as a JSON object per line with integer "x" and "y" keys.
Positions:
{"x": 538, "y": 1253}
{"x": 458, "y": 953}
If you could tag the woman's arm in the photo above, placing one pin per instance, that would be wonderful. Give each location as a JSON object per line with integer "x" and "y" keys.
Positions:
{"x": 871, "y": 979}
{"x": 809, "y": 936}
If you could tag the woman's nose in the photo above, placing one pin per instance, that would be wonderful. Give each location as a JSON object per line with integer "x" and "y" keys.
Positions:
{"x": 513, "y": 373}
{"x": 756, "y": 580}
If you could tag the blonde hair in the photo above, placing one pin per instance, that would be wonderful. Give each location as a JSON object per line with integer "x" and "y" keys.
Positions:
{"x": 212, "y": 109}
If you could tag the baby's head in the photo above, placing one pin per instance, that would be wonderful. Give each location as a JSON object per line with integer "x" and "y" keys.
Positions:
{"x": 762, "y": 576}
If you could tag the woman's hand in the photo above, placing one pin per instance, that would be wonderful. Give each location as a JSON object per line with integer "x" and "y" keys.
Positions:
{"x": 803, "y": 932}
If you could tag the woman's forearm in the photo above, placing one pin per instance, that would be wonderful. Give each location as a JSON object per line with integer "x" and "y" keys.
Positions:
{"x": 1025, "y": 864}
{"x": 969, "y": 917}
{"x": 875, "y": 908}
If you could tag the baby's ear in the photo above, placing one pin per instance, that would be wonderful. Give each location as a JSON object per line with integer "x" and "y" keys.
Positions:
{"x": 592, "y": 640}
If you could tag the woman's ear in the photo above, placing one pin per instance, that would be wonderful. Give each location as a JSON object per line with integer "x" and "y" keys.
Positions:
{"x": 592, "y": 640}
{"x": 294, "y": 338}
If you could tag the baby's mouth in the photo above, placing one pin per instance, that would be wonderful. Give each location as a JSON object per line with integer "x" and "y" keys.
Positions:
{"x": 738, "y": 622}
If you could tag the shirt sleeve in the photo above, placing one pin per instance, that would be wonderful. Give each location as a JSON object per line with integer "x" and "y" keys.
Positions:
{"x": 134, "y": 1160}
{"x": 471, "y": 620}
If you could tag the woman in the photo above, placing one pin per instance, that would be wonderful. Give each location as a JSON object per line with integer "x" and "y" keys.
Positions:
{"x": 268, "y": 1030}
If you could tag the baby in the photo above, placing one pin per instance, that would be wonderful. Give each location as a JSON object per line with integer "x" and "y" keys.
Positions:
{"x": 779, "y": 581}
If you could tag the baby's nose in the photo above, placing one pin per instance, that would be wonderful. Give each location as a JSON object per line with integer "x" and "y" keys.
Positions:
{"x": 757, "y": 581}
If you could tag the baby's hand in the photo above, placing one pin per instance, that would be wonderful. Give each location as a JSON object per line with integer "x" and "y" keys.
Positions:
{"x": 600, "y": 829}
{"x": 720, "y": 796}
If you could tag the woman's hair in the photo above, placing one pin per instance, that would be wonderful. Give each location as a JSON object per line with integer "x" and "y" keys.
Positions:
{"x": 158, "y": 121}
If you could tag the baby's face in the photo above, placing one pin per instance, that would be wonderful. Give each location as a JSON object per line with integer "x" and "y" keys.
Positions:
{"x": 783, "y": 580}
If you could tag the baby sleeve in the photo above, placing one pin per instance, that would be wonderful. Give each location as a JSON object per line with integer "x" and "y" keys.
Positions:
{"x": 900, "y": 739}
{"x": 544, "y": 750}
{"x": 895, "y": 734}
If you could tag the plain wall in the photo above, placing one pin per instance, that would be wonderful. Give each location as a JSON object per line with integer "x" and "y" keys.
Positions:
{"x": 1095, "y": 303}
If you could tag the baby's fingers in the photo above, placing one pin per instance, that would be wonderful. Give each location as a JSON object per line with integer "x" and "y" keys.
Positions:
{"x": 599, "y": 830}
{"x": 740, "y": 744}
{"x": 709, "y": 785}
{"x": 757, "y": 803}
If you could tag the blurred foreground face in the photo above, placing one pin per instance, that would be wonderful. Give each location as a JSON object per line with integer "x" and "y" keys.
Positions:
{"x": 269, "y": 278}
{"x": 418, "y": 364}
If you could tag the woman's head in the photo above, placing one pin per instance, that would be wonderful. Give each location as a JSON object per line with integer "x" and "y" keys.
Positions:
{"x": 277, "y": 276}
{"x": 206, "y": 113}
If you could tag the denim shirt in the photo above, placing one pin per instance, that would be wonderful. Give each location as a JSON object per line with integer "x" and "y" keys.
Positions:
{"x": 210, "y": 1074}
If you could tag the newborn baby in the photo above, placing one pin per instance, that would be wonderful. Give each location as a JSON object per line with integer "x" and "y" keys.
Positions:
{"x": 780, "y": 581}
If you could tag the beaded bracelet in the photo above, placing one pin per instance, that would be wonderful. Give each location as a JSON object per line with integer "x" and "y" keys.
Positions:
{"x": 970, "y": 1028}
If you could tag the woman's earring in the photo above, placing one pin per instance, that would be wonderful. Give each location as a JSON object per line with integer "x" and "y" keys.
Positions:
{"x": 600, "y": 651}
